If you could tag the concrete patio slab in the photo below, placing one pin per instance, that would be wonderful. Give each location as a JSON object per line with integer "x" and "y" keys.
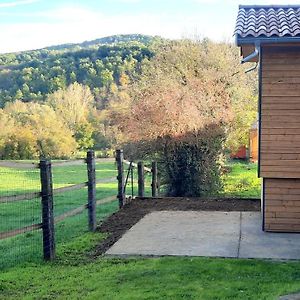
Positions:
{"x": 206, "y": 233}
{"x": 290, "y": 297}
{"x": 182, "y": 233}
{"x": 256, "y": 243}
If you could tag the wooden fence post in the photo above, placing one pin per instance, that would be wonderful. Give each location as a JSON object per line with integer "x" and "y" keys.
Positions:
{"x": 47, "y": 209}
{"x": 154, "y": 184}
{"x": 141, "y": 179}
{"x": 91, "y": 172}
{"x": 120, "y": 177}
{"x": 158, "y": 185}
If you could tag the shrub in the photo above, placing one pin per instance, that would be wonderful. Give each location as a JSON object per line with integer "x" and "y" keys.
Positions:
{"x": 191, "y": 168}
{"x": 20, "y": 145}
{"x": 38, "y": 129}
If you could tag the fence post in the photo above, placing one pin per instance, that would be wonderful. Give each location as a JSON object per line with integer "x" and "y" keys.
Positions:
{"x": 154, "y": 184}
{"x": 90, "y": 161}
{"x": 47, "y": 209}
{"x": 120, "y": 177}
{"x": 158, "y": 185}
{"x": 141, "y": 179}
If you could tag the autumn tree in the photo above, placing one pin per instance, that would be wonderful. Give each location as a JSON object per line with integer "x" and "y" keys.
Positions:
{"x": 74, "y": 105}
{"x": 38, "y": 131}
{"x": 181, "y": 112}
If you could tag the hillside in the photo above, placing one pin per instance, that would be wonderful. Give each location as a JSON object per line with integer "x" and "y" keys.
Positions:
{"x": 100, "y": 63}
{"x": 123, "y": 38}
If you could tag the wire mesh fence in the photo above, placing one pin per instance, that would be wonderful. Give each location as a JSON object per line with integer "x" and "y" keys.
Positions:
{"x": 136, "y": 179}
{"x": 70, "y": 213}
{"x": 45, "y": 205}
{"x": 106, "y": 190}
{"x": 22, "y": 210}
{"x": 19, "y": 214}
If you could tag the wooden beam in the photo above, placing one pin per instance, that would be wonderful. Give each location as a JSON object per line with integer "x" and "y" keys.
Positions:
{"x": 21, "y": 197}
{"x": 18, "y": 165}
{"x": 77, "y": 162}
{"x": 70, "y": 213}
{"x": 91, "y": 173}
{"x": 81, "y": 208}
{"x": 148, "y": 170}
{"x": 14, "y": 232}
{"x": 106, "y": 180}
{"x": 69, "y": 188}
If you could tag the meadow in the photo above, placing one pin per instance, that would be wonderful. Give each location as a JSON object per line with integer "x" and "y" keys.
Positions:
{"x": 240, "y": 180}
{"x": 28, "y": 247}
{"x": 77, "y": 273}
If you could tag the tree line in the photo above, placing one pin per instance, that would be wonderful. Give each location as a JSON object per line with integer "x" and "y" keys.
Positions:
{"x": 33, "y": 75}
{"x": 180, "y": 102}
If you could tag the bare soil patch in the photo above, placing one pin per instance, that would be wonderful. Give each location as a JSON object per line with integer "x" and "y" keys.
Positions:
{"x": 118, "y": 223}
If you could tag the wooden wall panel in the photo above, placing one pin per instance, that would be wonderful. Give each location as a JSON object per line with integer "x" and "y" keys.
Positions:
{"x": 280, "y": 112}
{"x": 282, "y": 205}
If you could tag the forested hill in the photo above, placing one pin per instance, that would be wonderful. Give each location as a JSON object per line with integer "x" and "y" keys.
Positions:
{"x": 123, "y": 38}
{"x": 102, "y": 64}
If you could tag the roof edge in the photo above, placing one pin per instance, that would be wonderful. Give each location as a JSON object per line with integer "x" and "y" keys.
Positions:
{"x": 264, "y": 40}
{"x": 277, "y": 6}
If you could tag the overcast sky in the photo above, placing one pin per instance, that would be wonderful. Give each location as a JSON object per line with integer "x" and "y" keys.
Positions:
{"x": 32, "y": 24}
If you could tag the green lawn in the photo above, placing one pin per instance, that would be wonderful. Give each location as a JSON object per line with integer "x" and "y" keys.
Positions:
{"x": 77, "y": 275}
{"x": 13, "y": 215}
{"x": 240, "y": 180}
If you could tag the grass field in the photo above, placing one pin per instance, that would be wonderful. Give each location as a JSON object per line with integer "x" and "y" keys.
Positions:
{"x": 13, "y": 215}
{"x": 78, "y": 275}
{"x": 241, "y": 180}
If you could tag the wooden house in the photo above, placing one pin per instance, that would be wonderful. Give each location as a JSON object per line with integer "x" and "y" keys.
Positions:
{"x": 251, "y": 150}
{"x": 270, "y": 37}
{"x": 240, "y": 153}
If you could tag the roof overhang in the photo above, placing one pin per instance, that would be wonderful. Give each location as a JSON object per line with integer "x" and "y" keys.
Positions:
{"x": 266, "y": 25}
{"x": 247, "y": 44}
{"x": 265, "y": 40}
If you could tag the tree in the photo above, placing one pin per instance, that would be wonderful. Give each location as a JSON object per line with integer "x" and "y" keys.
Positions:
{"x": 72, "y": 104}
{"x": 181, "y": 111}
{"x": 84, "y": 136}
{"x": 20, "y": 144}
{"x": 7, "y": 126}
{"x": 18, "y": 95}
{"x": 40, "y": 72}
{"x": 46, "y": 134}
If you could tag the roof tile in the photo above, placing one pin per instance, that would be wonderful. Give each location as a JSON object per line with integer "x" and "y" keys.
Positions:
{"x": 268, "y": 21}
